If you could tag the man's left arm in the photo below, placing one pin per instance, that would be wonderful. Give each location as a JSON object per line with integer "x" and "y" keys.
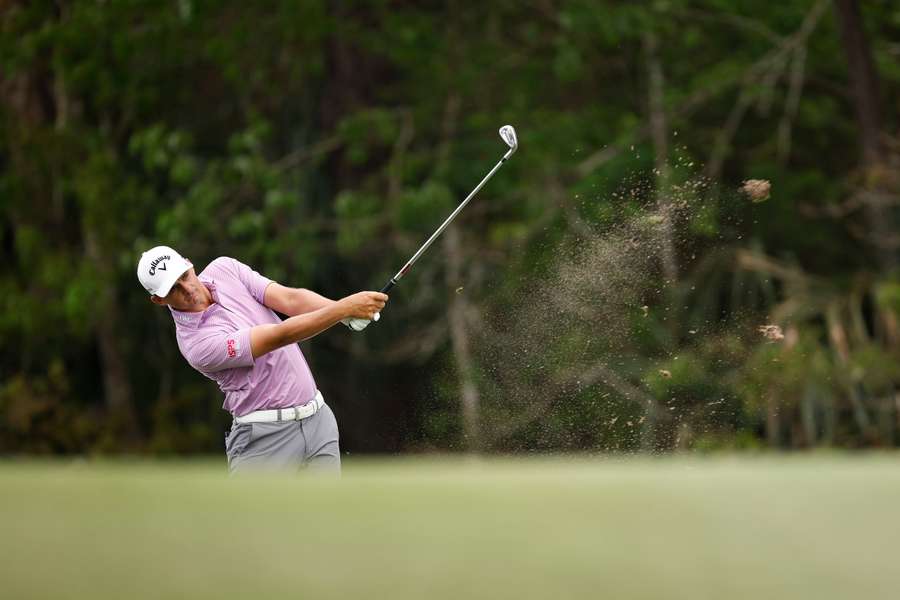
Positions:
{"x": 293, "y": 301}
{"x": 285, "y": 300}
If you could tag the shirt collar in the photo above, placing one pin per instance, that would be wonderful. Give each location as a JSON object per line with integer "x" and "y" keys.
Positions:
{"x": 193, "y": 319}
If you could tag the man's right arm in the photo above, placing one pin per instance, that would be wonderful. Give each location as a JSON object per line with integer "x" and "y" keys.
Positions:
{"x": 265, "y": 338}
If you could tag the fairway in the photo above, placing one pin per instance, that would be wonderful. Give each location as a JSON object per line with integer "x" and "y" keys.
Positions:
{"x": 799, "y": 527}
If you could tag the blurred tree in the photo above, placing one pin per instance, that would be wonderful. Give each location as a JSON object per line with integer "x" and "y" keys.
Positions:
{"x": 879, "y": 184}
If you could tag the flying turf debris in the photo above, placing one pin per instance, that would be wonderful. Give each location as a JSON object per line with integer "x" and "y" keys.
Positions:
{"x": 757, "y": 190}
{"x": 772, "y": 332}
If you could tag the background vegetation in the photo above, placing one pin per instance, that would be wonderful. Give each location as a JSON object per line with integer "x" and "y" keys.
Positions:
{"x": 604, "y": 291}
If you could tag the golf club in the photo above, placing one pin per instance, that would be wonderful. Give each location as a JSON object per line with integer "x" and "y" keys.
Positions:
{"x": 509, "y": 136}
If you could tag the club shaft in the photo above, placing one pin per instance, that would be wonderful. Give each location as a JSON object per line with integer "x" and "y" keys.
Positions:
{"x": 396, "y": 278}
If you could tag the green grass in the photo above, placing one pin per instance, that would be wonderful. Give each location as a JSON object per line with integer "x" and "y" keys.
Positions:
{"x": 798, "y": 527}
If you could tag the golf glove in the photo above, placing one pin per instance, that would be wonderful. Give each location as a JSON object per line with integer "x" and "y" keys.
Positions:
{"x": 359, "y": 324}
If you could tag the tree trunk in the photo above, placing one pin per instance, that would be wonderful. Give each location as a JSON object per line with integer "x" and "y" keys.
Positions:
{"x": 109, "y": 331}
{"x": 863, "y": 79}
{"x": 454, "y": 253}
{"x": 837, "y": 335}
{"x": 808, "y": 418}
{"x": 459, "y": 337}
{"x": 864, "y": 86}
{"x": 886, "y": 421}
{"x": 773, "y": 427}
{"x": 659, "y": 137}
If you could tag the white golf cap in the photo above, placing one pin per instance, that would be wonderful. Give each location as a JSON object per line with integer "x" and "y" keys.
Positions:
{"x": 159, "y": 269}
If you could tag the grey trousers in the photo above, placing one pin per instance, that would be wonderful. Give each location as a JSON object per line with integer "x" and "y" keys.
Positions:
{"x": 285, "y": 445}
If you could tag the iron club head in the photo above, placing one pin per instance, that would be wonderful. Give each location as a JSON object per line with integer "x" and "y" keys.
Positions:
{"x": 509, "y": 136}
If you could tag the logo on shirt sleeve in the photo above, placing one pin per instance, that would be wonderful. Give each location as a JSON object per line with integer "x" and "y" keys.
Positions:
{"x": 232, "y": 347}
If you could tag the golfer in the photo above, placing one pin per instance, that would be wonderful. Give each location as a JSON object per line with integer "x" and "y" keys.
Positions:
{"x": 226, "y": 328}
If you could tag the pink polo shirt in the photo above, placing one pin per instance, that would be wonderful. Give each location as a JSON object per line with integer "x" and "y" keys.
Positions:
{"x": 216, "y": 342}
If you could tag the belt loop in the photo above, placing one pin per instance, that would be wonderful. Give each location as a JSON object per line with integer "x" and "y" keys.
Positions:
{"x": 296, "y": 413}
{"x": 279, "y": 414}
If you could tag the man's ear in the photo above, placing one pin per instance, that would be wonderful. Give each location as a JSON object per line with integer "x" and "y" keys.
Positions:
{"x": 157, "y": 300}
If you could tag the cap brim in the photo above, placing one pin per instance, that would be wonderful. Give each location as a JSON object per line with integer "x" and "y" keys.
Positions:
{"x": 163, "y": 290}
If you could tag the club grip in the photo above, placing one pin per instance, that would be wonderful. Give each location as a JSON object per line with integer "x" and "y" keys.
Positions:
{"x": 387, "y": 287}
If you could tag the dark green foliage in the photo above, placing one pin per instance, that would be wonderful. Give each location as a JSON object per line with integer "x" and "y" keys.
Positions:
{"x": 321, "y": 143}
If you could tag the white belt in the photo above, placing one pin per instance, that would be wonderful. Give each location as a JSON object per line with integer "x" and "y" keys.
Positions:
{"x": 292, "y": 413}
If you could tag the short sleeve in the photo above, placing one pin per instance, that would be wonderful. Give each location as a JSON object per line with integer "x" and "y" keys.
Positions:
{"x": 219, "y": 351}
{"x": 254, "y": 282}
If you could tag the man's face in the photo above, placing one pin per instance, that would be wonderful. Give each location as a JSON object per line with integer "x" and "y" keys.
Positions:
{"x": 188, "y": 293}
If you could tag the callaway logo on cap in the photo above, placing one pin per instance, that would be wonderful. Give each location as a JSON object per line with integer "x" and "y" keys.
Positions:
{"x": 159, "y": 269}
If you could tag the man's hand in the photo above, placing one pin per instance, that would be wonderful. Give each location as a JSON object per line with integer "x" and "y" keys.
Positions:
{"x": 363, "y": 305}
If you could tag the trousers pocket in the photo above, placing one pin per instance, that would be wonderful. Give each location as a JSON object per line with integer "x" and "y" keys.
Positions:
{"x": 238, "y": 439}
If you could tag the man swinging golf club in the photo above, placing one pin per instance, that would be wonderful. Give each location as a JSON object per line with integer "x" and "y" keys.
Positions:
{"x": 226, "y": 328}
